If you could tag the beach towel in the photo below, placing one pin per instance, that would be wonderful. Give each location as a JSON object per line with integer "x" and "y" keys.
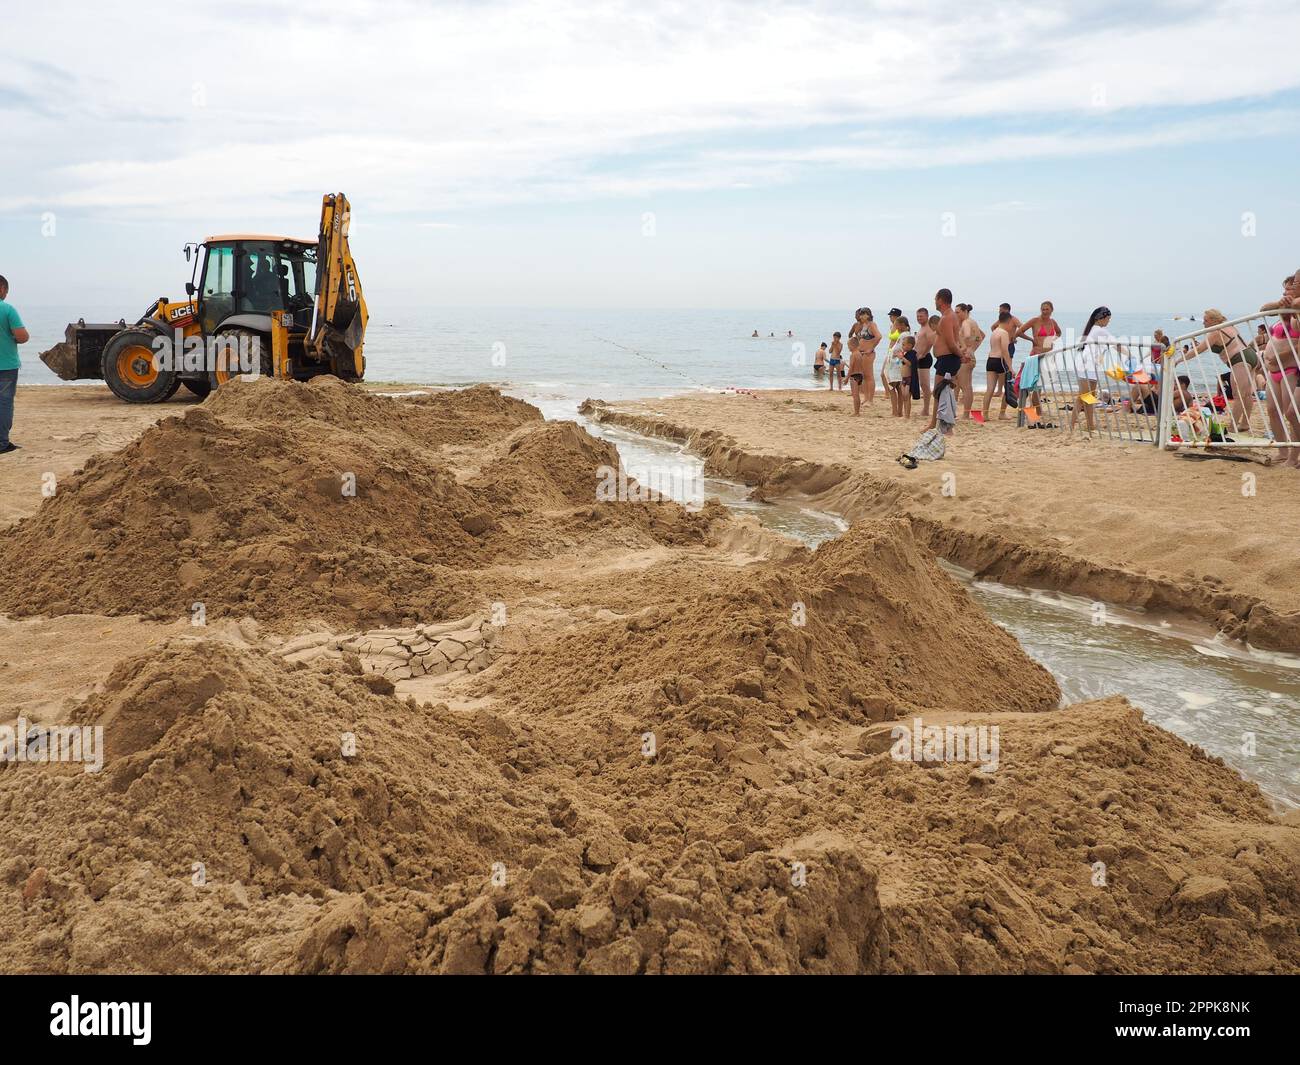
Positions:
{"x": 928, "y": 447}
{"x": 1029, "y": 375}
{"x": 948, "y": 409}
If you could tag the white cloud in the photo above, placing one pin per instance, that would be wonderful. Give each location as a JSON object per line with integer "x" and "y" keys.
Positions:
{"x": 407, "y": 105}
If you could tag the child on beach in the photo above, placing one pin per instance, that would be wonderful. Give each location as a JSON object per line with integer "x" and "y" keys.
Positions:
{"x": 857, "y": 371}
{"x": 897, "y": 371}
{"x": 894, "y": 379}
{"x": 911, "y": 379}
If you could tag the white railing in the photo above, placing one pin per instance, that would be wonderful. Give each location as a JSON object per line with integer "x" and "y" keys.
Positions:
{"x": 1107, "y": 387}
{"x": 1243, "y": 395}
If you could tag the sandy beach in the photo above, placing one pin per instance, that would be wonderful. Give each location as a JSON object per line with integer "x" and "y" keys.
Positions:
{"x": 1119, "y": 523}
{"x": 446, "y": 711}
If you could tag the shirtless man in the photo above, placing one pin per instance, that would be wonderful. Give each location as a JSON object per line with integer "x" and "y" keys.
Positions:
{"x": 924, "y": 356}
{"x": 947, "y": 348}
{"x": 970, "y": 336}
{"x": 999, "y": 363}
{"x": 837, "y": 347}
{"x": 1013, "y": 327}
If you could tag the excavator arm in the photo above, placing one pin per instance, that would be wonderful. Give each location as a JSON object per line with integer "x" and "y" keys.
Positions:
{"x": 338, "y": 325}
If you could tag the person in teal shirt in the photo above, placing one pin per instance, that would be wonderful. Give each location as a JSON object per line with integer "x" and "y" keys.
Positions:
{"x": 12, "y": 333}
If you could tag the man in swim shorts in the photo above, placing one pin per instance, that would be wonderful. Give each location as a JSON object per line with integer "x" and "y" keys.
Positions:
{"x": 971, "y": 336}
{"x": 837, "y": 347}
{"x": 924, "y": 357}
{"x": 1012, "y": 327}
{"x": 947, "y": 349}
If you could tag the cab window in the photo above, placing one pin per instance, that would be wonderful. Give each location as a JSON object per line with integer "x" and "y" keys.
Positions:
{"x": 218, "y": 287}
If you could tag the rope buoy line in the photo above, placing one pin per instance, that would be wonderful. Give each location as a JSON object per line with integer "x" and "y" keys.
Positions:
{"x": 653, "y": 361}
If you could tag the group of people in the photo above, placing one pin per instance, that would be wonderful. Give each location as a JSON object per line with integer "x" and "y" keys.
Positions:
{"x": 919, "y": 362}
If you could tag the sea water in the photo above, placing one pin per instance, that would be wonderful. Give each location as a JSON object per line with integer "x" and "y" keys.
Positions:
{"x": 568, "y": 355}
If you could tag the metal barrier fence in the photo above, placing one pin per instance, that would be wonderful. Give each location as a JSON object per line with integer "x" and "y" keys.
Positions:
{"x": 1233, "y": 384}
{"x": 1106, "y": 386}
{"x": 1229, "y": 384}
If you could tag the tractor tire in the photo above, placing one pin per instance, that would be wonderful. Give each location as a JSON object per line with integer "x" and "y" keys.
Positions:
{"x": 128, "y": 368}
{"x": 202, "y": 388}
{"x": 219, "y": 377}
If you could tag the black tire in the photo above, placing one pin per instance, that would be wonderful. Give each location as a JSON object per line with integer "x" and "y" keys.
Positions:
{"x": 202, "y": 388}
{"x": 216, "y": 379}
{"x": 127, "y": 366}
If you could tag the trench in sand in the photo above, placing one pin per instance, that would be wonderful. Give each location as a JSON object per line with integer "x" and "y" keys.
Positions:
{"x": 1187, "y": 679}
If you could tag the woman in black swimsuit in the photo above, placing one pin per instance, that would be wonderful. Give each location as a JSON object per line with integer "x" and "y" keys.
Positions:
{"x": 1240, "y": 358}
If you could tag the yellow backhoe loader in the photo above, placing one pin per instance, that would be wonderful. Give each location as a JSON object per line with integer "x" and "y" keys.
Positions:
{"x": 255, "y": 304}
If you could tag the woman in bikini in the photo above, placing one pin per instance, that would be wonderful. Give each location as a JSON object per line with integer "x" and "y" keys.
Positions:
{"x": 1042, "y": 332}
{"x": 1240, "y": 358}
{"x": 1282, "y": 361}
{"x": 869, "y": 336}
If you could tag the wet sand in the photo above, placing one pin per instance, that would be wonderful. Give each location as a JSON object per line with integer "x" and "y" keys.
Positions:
{"x": 1114, "y": 522}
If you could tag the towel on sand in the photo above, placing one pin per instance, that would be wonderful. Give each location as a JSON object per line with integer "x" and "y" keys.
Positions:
{"x": 928, "y": 447}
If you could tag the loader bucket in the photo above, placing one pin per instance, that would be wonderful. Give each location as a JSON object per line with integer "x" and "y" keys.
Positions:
{"x": 77, "y": 356}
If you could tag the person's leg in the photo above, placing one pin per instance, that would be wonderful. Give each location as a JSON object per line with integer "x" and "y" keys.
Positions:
{"x": 1292, "y": 412}
{"x": 1276, "y": 424}
{"x": 1243, "y": 396}
{"x": 8, "y": 388}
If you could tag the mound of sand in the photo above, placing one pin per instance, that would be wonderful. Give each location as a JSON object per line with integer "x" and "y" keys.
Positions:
{"x": 867, "y": 628}
{"x": 232, "y": 828}
{"x": 285, "y": 500}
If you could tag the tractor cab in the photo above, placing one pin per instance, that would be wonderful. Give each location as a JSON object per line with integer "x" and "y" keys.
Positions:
{"x": 241, "y": 275}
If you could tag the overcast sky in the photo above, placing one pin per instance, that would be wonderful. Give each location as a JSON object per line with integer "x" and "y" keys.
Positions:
{"x": 663, "y": 155}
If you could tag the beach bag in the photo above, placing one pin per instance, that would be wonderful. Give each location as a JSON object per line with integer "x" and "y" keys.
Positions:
{"x": 1010, "y": 390}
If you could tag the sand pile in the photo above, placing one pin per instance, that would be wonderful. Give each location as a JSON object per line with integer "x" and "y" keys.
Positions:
{"x": 668, "y": 761}
{"x": 766, "y": 828}
{"x": 287, "y": 500}
{"x": 867, "y": 628}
